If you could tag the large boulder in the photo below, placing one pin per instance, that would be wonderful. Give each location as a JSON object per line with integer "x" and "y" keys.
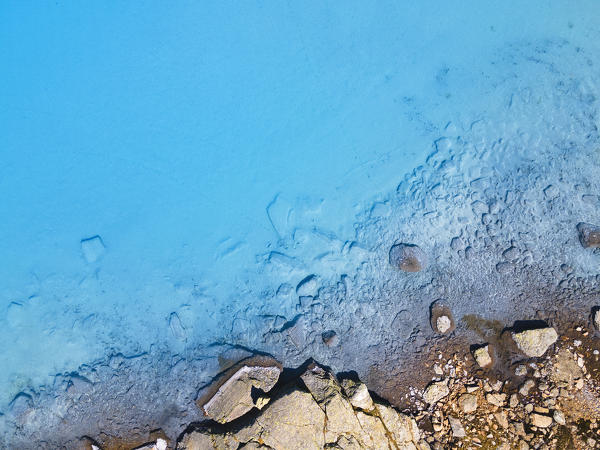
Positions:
{"x": 534, "y": 343}
{"x": 237, "y": 391}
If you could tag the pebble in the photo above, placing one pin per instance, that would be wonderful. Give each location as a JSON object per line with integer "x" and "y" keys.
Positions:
{"x": 540, "y": 420}
{"x": 521, "y": 370}
{"x": 559, "y": 417}
{"x": 468, "y": 403}
{"x": 526, "y": 387}
{"x": 435, "y": 392}
{"x": 496, "y": 399}
{"x": 457, "y": 429}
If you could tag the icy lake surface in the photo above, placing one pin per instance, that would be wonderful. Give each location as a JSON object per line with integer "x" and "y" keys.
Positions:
{"x": 172, "y": 172}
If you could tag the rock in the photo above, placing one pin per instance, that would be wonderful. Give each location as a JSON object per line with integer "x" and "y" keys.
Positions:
{"x": 521, "y": 370}
{"x": 408, "y": 257}
{"x": 293, "y": 421}
{"x": 540, "y": 420}
{"x": 526, "y": 387}
{"x": 308, "y": 287}
{"x": 341, "y": 419}
{"x": 502, "y": 418}
{"x": 234, "y": 396}
{"x": 358, "y": 394}
{"x": 514, "y": 401}
{"x": 457, "y": 429}
{"x": 589, "y": 235}
{"x": 559, "y": 417}
{"x": 534, "y": 343}
{"x": 330, "y": 338}
{"x": 320, "y": 383}
{"x": 443, "y": 324}
{"x": 504, "y": 267}
{"x": 468, "y": 403}
{"x": 92, "y": 248}
{"x": 160, "y": 444}
{"x": 441, "y": 318}
{"x": 402, "y": 428}
{"x": 496, "y": 399}
{"x": 597, "y": 319}
{"x": 435, "y": 392}
{"x": 482, "y": 356}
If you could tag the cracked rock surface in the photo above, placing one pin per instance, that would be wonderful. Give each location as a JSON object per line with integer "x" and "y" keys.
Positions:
{"x": 322, "y": 412}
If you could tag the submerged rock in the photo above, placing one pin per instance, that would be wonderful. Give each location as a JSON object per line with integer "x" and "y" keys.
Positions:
{"x": 482, "y": 356}
{"x": 236, "y": 395}
{"x": 589, "y": 235}
{"x": 441, "y": 318}
{"x": 596, "y": 318}
{"x": 329, "y": 338}
{"x": 534, "y": 343}
{"x": 408, "y": 257}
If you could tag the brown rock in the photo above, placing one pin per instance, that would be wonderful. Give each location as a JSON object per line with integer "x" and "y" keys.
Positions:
{"x": 408, "y": 257}
{"x": 231, "y": 397}
{"x": 589, "y": 235}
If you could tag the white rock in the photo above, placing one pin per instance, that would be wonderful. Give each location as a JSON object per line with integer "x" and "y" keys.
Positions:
{"x": 521, "y": 370}
{"x": 443, "y": 324}
{"x": 496, "y": 399}
{"x": 534, "y": 343}
{"x": 559, "y": 417}
{"x": 597, "y": 319}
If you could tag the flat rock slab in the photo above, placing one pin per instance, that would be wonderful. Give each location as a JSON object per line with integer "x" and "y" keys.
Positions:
{"x": 235, "y": 396}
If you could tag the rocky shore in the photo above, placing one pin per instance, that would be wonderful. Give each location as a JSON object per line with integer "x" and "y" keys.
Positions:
{"x": 534, "y": 388}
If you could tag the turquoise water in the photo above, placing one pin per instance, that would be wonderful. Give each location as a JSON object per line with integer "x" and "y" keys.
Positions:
{"x": 170, "y": 172}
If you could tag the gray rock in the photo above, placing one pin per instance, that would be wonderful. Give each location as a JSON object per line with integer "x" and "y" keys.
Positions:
{"x": 234, "y": 398}
{"x": 457, "y": 429}
{"x": 534, "y": 343}
{"x": 589, "y": 235}
{"x": 408, "y": 257}
{"x": 596, "y": 318}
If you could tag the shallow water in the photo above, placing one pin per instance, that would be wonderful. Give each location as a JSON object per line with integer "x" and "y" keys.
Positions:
{"x": 219, "y": 155}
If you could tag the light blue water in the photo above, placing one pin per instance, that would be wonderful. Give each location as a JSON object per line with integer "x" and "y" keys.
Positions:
{"x": 197, "y": 138}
